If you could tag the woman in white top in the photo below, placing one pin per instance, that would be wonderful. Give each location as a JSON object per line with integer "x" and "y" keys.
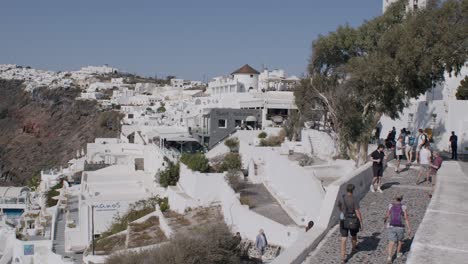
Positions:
{"x": 425, "y": 161}
{"x": 399, "y": 153}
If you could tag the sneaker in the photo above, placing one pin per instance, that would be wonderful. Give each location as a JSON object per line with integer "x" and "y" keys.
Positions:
{"x": 389, "y": 260}
{"x": 379, "y": 190}
{"x": 399, "y": 255}
{"x": 372, "y": 188}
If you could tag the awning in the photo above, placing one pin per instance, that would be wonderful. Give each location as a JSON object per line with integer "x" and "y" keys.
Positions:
{"x": 251, "y": 119}
{"x": 277, "y": 119}
{"x": 182, "y": 139}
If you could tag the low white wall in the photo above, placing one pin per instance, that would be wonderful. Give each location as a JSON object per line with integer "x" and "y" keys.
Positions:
{"x": 318, "y": 143}
{"x": 296, "y": 188}
{"x": 209, "y": 188}
{"x": 248, "y": 223}
{"x": 42, "y": 252}
{"x": 329, "y": 215}
{"x": 164, "y": 224}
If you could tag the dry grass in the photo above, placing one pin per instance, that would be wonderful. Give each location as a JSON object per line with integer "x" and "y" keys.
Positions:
{"x": 108, "y": 245}
{"x": 209, "y": 244}
{"x": 244, "y": 200}
{"x": 176, "y": 219}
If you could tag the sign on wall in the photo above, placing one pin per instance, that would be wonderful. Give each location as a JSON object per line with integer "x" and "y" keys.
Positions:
{"x": 28, "y": 250}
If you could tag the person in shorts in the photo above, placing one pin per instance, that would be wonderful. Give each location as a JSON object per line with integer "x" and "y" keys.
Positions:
{"x": 434, "y": 167}
{"x": 397, "y": 217}
{"x": 399, "y": 149}
{"x": 408, "y": 147}
{"x": 425, "y": 161}
{"x": 349, "y": 208}
{"x": 377, "y": 166}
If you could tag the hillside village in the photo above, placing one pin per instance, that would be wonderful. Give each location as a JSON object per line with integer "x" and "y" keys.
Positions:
{"x": 224, "y": 156}
{"x": 161, "y": 123}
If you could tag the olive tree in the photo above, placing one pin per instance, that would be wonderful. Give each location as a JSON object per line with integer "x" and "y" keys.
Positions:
{"x": 360, "y": 74}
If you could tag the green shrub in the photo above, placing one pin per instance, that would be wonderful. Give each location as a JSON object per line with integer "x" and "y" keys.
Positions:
{"x": 170, "y": 176}
{"x": 273, "y": 141}
{"x": 161, "y": 108}
{"x": 262, "y": 134}
{"x": 54, "y": 191}
{"x": 233, "y": 179}
{"x": 232, "y": 161}
{"x": 34, "y": 182}
{"x": 232, "y": 144}
{"x": 462, "y": 90}
{"x": 196, "y": 162}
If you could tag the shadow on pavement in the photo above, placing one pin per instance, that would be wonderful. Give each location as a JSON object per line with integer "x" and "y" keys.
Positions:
{"x": 388, "y": 185}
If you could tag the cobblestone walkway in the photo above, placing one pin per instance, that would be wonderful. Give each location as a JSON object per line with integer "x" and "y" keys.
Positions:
{"x": 372, "y": 242}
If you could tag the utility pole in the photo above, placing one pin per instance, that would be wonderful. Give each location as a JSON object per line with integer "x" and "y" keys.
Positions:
{"x": 92, "y": 225}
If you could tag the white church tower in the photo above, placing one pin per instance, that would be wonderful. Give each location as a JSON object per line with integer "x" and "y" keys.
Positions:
{"x": 412, "y": 4}
{"x": 248, "y": 77}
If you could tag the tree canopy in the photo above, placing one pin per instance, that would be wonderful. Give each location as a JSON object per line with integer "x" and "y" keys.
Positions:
{"x": 360, "y": 74}
{"x": 462, "y": 91}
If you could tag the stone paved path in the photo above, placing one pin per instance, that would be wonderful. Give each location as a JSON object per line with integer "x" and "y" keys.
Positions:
{"x": 373, "y": 240}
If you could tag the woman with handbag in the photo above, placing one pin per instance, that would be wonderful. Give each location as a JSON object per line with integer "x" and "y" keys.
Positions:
{"x": 350, "y": 220}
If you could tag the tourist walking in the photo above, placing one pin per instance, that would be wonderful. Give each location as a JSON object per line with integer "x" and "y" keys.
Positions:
{"x": 393, "y": 134}
{"x": 350, "y": 220}
{"x": 377, "y": 166}
{"x": 408, "y": 147}
{"x": 435, "y": 166}
{"x": 261, "y": 242}
{"x": 396, "y": 212}
{"x": 453, "y": 145}
{"x": 425, "y": 160}
{"x": 399, "y": 148}
{"x": 310, "y": 225}
{"x": 421, "y": 141}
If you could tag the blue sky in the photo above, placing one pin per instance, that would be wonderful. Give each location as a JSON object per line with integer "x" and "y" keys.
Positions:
{"x": 189, "y": 39}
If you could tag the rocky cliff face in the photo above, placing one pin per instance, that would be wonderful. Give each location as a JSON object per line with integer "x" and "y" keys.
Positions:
{"x": 44, "y": 129}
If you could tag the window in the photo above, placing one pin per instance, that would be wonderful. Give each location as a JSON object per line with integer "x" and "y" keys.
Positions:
{"x": 237, "y": 123}
{"x": 222, "y": 123}
{"x": 251, "y": 75}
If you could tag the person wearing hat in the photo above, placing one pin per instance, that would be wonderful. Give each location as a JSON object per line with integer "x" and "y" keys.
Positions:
{"x": 398, "y": 220}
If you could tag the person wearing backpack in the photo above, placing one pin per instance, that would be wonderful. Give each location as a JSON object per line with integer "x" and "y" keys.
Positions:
{"x": 397, "y": 217}
{"x": 350, "y": 220}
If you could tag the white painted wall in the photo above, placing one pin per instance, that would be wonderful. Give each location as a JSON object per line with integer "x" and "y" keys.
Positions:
{"x": 247, "y": 80}
{"x": 204, "y": 189}
{"x": 318, "y": 143}
{"x": 450, "y": 116}
{"x": 297, "y": 188}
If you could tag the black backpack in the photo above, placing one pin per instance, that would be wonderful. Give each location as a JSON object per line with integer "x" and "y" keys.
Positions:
{"x": 350, "y": 218}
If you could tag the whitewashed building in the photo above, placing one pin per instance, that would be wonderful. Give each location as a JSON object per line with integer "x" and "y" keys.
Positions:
{"x": 412, "y": 4}
{"x": 244, "y": 79}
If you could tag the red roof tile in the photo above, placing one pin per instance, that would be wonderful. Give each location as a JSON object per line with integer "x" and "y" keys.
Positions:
{"x": 246, "y": 69}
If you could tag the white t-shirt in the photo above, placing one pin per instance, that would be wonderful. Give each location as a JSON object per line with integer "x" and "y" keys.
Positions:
{"x": 407, "y": 140}
{"x": 421, "y": 139}
{"x": 424, "y": 156}
{"x": 399, "y": 148}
